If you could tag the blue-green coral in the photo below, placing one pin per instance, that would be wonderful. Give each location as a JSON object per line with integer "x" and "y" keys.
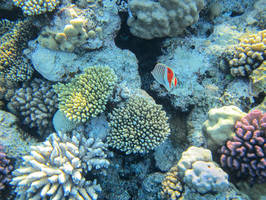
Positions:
{"x": 138, "y": 126}
{"x": 87, "y": 94}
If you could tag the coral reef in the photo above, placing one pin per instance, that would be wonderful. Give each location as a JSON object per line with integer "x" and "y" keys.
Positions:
{"x": 258, "y": 77}
{"x": 36, "y": 7}
{"x": 244, "y": 154}
{"x": 172, "y": 187}
{"x": 13, "y": 40}
{"x": 36, "y": 103}
{"x": 149, "y": 19}
{"x": 219, "y": 126}
{"x": 138, "y": 126}
{"x": 62, "y": 123}
{"x": 5, "y": 169}
{"x": 200, "y": 173}
{"x": 248, "y": 55}
{"x": 87, "y": 94}
{"x": 7, "y": 88}
{"x": 54, "y": 169}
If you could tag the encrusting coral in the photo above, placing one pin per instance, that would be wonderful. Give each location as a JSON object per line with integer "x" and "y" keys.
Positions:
{"x": 55, "y": 169}
{"x": 13, "y": 40}
{"x": 258, "y": 77}
{"x": 35, "y": 102}
{"x": 87, "y": 94}
{"x": 138, "y": 126}
{"x": 244, "y": 154}
{"x": 172, "y": 187}
{"x": 36, "y": 7}
{"x": 5, "y": 169}
{"x": 149, "y": 19}
{"x": 249, "y": 54}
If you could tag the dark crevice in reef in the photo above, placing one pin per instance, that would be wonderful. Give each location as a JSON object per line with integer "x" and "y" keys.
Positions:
{"x": 12, "y": 15}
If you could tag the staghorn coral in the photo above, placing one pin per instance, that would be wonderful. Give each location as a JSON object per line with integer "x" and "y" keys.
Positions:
{"x": 6, "y": 26}
{"x": 138, "y": 126}
{"x": 13, "y": 65}
{"x": 248, "y": 55}
{"x": 36, "y": 103}
{"x": 244, "y": 154}
{"x": 55, "y": 169}
{"x": 172, "y": 187}
{"x": 36, "y": 7}
{"x": 149, "y": 19}
{"x": 5, "y": 169}
{"x": 87, "y": 94}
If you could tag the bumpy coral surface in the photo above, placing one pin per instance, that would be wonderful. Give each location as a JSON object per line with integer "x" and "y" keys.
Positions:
{"x": 138, "y": 126}
{"x": 36, "y": 7}
{"x": 244, "y": 154}
{"x": 149, "y": 19}
{"x": 5, "y": 169}
{"x": 249, "y": 54}
{"x": 35, "y": 103}
{"x": 87, "y": 94}
{"x": 55, "y": 169}
{"x": 258, "y": 77}
{"x": 13, "y": 40}
{"x": 172, "y": 187}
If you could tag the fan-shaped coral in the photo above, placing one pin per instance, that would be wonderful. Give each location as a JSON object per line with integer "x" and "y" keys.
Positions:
{"x": 87, "y": 94}
{"x": 138, "y": 126}
{"x": 244, "y": 154}
{"x": 54, "y": 170}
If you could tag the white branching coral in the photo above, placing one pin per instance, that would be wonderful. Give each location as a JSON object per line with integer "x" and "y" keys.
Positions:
{"x": 54, "y": 169}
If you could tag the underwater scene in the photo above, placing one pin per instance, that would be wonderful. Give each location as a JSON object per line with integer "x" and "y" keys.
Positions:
{"x": 132, "y": 100}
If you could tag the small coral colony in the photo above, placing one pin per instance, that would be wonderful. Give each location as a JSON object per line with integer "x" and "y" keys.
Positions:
{"x": 76, "y": 125}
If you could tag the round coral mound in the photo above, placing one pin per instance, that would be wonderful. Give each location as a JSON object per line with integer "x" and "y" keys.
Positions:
{"x": 244, "y": 154}
{"x": 138, "y": 126}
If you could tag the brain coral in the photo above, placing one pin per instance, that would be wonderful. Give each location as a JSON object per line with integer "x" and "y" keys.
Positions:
{"x": 138, "y": 126}
{"x": 244, "y": 154}
{"x": 87, "y": 94}
{"x": 149, "y": 19}
{"x": 36, "y": 7}
{"x": 54, "y": 170}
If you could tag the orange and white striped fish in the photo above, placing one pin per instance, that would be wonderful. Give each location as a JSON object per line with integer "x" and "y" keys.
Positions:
{"x": 165, "y": 76}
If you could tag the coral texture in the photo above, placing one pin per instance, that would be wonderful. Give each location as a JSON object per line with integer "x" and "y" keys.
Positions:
{"x": 258, "y": 77}
{"x": 5, "y": 169}
{"x": 249, "y": 54}
{"x": 36, "y": 103}
{"x": 219, "y": 126}
{"x": 13, "y": 40}
{"x": 138, "y": 126}
{"x": 87, "y": 94}
{"x": 172, "y": 187}
{"x": 55, "y": 169}
{"x": 36, "y": 7}
{"x": 244, "y": 154}
{"x": 149, "y": 19}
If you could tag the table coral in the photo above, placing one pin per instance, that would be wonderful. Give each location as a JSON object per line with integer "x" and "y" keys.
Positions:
{"x": 87, "y": 94}
{"x": 5, "y": 169}
{"x": 138, "y": 126}
{"x": 36, "y": 103}
{"x": 55, "y": 168}
{"x": 244, "y": 154}
{"x": 149, "y": 19}
{"x": 36, "y": 7}
{"x": 248, "y": 55}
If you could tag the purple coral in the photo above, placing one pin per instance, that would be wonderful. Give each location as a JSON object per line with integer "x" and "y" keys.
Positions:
{"x": 5, "y": 169}
{"x": 244, "y": 154}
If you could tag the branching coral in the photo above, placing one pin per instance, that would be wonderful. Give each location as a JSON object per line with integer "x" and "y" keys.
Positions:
{"x": 36, "y": 103}
{"x": 36, "y": 7}
{"x": 249, "y": 54}
{"x": 5, "y": 169}
{"x": 138, "y": 126}
{"x": 244, "y": 154}
{"x": 55, "y": 168}
{"x": 12, "y": 64}
{"x": 87, "y": 94}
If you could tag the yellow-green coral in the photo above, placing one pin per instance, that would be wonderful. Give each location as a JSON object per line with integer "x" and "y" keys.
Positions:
{"x": 258, "y": 77}
{"x": 138, "y": 126}
{"x": 36, "y": 7}
{"x": 87, "y": 94}
{"x": 249, "y": 54}
{"x": 12, "y": 64}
